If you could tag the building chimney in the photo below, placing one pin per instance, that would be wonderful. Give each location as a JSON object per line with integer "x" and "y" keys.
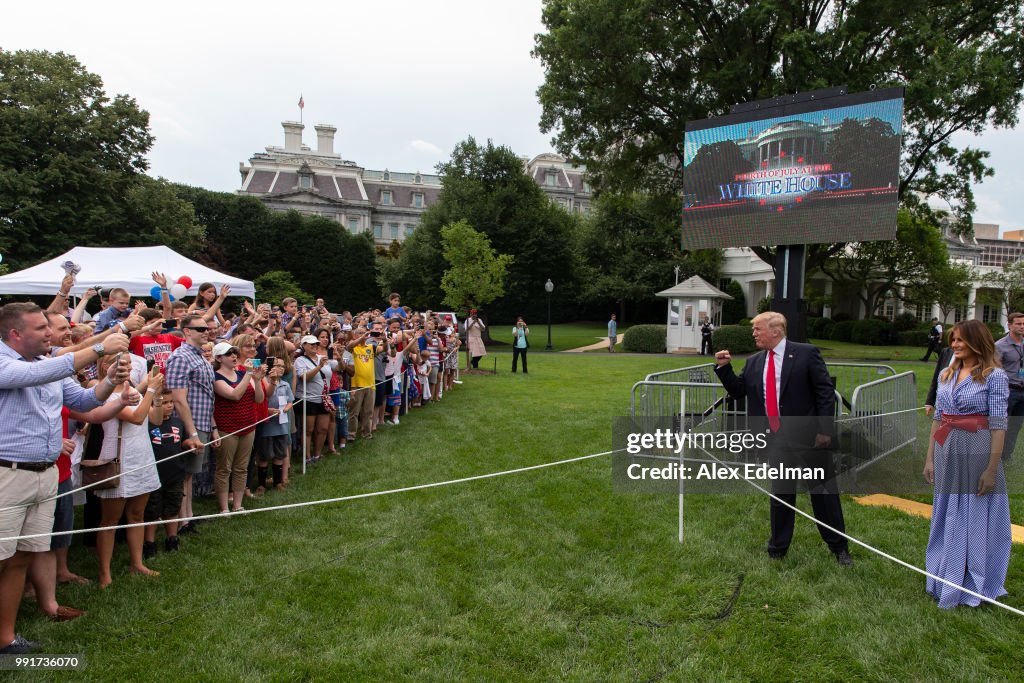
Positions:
{"x": 325, "y": 138}
{"x": 292, "y": 136}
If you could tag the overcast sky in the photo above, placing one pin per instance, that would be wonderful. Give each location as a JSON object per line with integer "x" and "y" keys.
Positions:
{"x": 403, "y": 81}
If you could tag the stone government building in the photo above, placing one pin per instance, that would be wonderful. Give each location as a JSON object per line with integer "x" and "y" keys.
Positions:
{"x": 387, "y": 204}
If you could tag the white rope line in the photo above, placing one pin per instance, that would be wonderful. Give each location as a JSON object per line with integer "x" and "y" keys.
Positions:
{"x": 872, "y": 548}
{"x": 325, "y": 501}
{"x": 866, "y": 417}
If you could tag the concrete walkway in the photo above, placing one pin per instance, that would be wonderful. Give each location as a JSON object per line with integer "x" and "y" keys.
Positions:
{"x": 597, "y": 346}
{"x": 912, "y": 507}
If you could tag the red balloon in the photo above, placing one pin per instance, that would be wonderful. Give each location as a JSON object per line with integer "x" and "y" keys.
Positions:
{"x": 185, "y": 280}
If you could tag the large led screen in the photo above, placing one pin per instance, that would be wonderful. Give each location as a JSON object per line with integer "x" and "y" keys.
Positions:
{"x": 817, "y": 171}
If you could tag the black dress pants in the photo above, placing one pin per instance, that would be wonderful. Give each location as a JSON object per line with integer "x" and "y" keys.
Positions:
{"x": 824, "y": 501}
{"x": 516, "y": 353}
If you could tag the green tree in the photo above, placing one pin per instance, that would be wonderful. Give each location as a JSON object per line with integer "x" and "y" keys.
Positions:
{"x": 1005, "y": 287}
{"x": 245, "y": 238}
{"x": 154, "y": 214}
{"x": 276, "y": 285}
{"x": 628, "y": 249}
{"x": 711, "y": 162}
{"x": 946, "y": 285}
{"x": 735, "y": 310}
{"x": 70, "y": 157}
{"x": 875, "y": 269}
{"x": 485, "y": 185}
{"x": 622, "y": 77}
{"x": 236, "y": 230}
{"x": 476, "y": 276}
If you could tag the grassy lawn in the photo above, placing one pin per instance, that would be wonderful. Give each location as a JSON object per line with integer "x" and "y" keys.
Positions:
{"x": 563, "y": 336}
{"x": 836, "y": 349}
{"x": 540, "y": 576}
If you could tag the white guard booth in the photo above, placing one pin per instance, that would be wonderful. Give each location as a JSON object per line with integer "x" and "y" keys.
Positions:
{"x": 690, "y": 303}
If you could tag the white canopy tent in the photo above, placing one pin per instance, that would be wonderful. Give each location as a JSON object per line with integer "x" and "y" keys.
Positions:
{"x": 130, "y": 268}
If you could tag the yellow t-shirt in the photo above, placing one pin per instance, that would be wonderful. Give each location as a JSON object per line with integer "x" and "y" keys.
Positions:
{"x": 363, "y": 356}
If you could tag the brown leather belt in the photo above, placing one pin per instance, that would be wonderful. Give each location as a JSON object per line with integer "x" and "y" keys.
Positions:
{"x": 27, "y": 466}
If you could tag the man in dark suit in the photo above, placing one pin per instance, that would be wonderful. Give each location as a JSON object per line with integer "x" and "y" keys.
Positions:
{"x": 945, "y": 358}
{"x": 787, "y": 379}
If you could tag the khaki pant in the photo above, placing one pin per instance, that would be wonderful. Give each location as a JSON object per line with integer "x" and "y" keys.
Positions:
{"x": 21, "y": 493}
{"x": 360, "y": 414}
{"x": 233, "y": 462}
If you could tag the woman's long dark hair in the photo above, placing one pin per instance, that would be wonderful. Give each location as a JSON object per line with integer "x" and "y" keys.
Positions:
{"x": 976, "y": 335}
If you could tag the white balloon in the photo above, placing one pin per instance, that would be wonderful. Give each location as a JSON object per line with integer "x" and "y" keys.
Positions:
{"x": 178, "y": 290}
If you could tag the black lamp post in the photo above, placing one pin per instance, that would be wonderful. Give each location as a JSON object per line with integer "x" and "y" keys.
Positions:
{"x": 549, "y": 287}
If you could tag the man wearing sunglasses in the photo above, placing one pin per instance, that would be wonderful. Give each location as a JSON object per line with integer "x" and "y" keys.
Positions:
{"x": 190, "y": 379}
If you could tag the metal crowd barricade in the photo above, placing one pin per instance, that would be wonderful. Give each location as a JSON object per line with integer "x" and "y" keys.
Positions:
{"x": 879, "y": 422}
{"x": 705, "y": 372}
{"x": 849, "y": 376}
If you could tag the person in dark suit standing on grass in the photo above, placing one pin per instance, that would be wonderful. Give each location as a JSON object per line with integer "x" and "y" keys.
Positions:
{"x": 945, "y": 358}
{"x": 788, "y": 391}
{"x": 934, "y": 339}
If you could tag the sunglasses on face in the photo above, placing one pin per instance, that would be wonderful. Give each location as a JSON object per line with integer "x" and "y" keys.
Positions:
{"x": 197, "y": 329}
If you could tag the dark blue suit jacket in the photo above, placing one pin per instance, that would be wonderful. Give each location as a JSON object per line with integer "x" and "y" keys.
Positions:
{"x": 806, "y": 391}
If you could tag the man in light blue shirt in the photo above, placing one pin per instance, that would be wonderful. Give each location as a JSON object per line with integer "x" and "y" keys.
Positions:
{"x": 613, "y": 334}
{"x": 33, "y": 389}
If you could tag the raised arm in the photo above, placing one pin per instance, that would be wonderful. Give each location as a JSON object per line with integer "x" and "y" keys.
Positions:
{"x": 76, "y": 315}
{"x": 232, "y": 393}
{"x": 214, "y": 311}
{"x": 60, "y": 302}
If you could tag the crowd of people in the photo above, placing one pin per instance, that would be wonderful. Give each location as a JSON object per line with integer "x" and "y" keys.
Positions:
{"x": 147, "y": 400}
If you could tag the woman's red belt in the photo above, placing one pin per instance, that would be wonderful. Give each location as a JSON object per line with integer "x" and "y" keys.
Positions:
{"x": 968, "y": 423}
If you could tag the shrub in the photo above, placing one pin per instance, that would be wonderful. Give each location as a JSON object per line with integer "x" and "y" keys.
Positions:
{"x": 275, "y": 285}
{"x": 870, "y": 332}
{"x": 737, "y": 308}
{"x": 918, "y": 337}
{"x": 764, "y": 305}
{"x": 645, "y": 339}
{"x": 904, "y": 322}
{"x": 735, "y": 338}
{"x": 820, "y": 328}
{"x": 841, "y": 316}
{"x": 842, "y": 330}
{"x": 997, "y": 330}
{"x": 745, "y": 321}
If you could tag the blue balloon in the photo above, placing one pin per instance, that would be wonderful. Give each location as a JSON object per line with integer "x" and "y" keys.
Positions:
{"x": 155, "y": 293}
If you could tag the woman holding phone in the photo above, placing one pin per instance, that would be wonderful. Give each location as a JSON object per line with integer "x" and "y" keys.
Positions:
{"x": 312, "y": 374}
{"x": 234, "y": 412}
{"x": 127, "y": 437}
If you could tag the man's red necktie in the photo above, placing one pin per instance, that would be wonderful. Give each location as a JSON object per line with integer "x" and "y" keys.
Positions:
{"x": 770, "y": 399}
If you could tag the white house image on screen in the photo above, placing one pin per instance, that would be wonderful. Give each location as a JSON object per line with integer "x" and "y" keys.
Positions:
{"x": 787, "y": 145}
{"x": 690, "y": 304}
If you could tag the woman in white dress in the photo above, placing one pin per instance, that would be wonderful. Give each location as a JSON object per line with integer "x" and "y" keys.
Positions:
{"x": 134, "y": 487}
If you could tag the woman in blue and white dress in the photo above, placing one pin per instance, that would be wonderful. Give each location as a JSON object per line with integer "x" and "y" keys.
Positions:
{"x": 969, "y": 543}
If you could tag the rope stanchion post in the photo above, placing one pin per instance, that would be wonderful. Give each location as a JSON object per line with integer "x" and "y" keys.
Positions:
{"x": 302, "y": 427}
